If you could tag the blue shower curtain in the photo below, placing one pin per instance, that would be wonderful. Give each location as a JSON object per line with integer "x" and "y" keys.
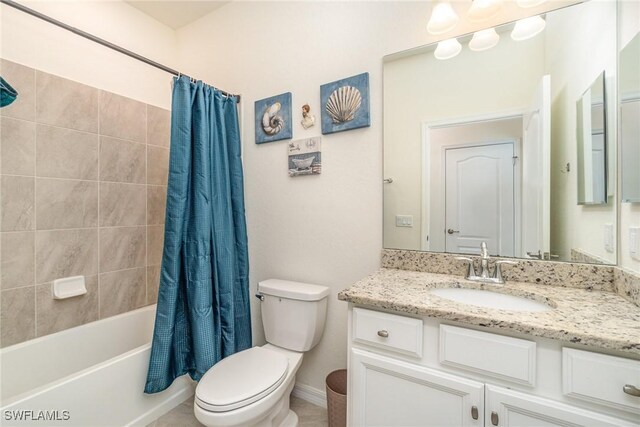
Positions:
{"x": 203, "y": 301}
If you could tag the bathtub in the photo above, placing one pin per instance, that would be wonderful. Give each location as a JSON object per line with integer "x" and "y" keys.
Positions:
{"x": 91, "y": 375}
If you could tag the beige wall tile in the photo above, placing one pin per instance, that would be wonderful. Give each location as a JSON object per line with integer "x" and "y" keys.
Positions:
{"x": 158, "y": 126}
{"x": 17, "y": 204}
{"x": 66, "y": 153}
{"x": 122, "y": 248}
{"x": 122, "y": 117}
{"x": 23, "y": 80}
{"x": 122, "y": 291}
{"x": 62, "y": 203}
{"x": 153, "y": 283}
{"x": 64, "y": 253}
{"x": 17, "y": 315}
{"x": 56, "y": 315}
{"x": 156, "y": 204}
{"x": 155, "y": 242}
{"x": 17, "y": 146}
{"x": 122, "y": 204}
{"x": 65, "y": 103}
{"x": 17, "y": 267}
{"x": 122, "y": 161}
{"x": 157, "y": 165}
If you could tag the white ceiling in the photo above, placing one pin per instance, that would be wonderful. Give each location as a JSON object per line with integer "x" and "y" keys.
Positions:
{"x": 176, "y": 13}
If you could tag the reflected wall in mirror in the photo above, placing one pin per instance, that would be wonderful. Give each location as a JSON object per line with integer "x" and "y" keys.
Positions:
{"x": 592, "y": 143}
{"x": 629, "y": 86}
{"x": 483, "y": 146}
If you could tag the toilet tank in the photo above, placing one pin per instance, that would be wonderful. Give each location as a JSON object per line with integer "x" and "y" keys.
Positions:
{"x": 293, "y": 313}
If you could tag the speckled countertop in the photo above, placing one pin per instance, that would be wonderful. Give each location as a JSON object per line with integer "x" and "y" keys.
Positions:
{"x": 595, "y": 318}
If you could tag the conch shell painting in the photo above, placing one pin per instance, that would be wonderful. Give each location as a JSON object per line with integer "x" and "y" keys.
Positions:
{"x": 345, "y": 104}
{"x": 272, "y": 123}
{"x": 273, "y": 118}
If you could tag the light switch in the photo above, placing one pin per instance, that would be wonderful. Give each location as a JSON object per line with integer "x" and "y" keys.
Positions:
{"x": 404, "y": 220}
{"x": 634, "y": 242}
{"x": 608, "y": 238}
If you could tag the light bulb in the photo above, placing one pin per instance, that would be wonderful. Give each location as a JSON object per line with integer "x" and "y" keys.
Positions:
{"x": 529, "y": 3}
{"x": 483, "y": 40}
{"x": 527, "y": 28}
{"x": 484, "y": 9}
{"x": 443, "y": 18}
{"x": 447, "y": 49}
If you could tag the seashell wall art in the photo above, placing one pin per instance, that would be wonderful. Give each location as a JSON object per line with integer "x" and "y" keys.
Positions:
{"x": 273, "y": 120}
{"x": 345, "y": 104}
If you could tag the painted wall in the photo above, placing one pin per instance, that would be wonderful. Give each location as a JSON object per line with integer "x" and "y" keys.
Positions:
{"x": 421, "y": 89}
{"x": 35, "y": 43}
{"x": 574, "y": 65}
{"x": 324, "y": 229}
{"x": 76, "y": 160}
{"x": 629, "y": 212}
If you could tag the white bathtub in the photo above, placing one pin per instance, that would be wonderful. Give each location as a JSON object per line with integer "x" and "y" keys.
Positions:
{"x": 96, "y": 372}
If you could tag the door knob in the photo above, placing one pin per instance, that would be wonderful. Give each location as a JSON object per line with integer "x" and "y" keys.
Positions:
{"x": 494, "y": 418}
{"x": 474, "y": 412}
{"x": 631, "y": 390}
{"x": 452, "y": 231}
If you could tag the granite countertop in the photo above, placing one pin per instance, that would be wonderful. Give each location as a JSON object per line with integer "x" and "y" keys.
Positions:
{"x": 595, "y": 318}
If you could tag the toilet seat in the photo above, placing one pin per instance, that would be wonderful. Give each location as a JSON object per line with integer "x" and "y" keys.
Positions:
{"x": 241, "y": 379}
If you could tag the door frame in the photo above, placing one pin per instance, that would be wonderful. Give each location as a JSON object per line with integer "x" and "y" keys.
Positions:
{"x": 427, "y": 126}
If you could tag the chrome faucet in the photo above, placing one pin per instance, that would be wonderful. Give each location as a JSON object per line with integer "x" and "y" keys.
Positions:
{"x": 485, "y": 275}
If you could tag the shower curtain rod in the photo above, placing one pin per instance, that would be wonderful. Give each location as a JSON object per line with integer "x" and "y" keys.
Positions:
{"x": 98, "y": 40}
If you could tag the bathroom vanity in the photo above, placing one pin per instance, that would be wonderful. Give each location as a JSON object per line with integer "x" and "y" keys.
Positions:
{"x": 419, "y": 358}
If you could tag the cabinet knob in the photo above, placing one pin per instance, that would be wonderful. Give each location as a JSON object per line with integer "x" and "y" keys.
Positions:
{"x": 383, "y": 333}
{"x": 474, "y": 412}
{"x": 494, "y": 418}
{"x": 631, "y": 389}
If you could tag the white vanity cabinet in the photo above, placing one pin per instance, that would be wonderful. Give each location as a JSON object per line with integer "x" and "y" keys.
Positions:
{"x": 407, "y": 371}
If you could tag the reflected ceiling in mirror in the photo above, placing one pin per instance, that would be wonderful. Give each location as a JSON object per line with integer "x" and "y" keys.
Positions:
{"x": 483, "y": 146}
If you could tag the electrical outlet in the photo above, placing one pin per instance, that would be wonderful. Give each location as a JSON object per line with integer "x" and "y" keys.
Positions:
{"x": 608, "y": 238}
{"x": 404, "y": 220}
{"x": 634, "y": 242}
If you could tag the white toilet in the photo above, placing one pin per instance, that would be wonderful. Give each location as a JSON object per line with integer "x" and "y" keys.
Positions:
{"x": 252, "y": 387}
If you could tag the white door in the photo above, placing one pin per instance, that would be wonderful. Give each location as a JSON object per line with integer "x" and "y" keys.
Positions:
{"x": 508, "y": 408}
{"x": 388, "y": 392}
{"x": 480, "y": 199}
{"x": 536, "y": 173}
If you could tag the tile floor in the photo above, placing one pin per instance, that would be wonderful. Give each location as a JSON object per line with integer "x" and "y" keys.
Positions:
{"x": 309, "y": 415}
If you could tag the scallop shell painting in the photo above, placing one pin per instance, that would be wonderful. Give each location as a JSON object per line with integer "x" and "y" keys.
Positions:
{"x": 273, "y": 119}
{"x": 345, "y": 104}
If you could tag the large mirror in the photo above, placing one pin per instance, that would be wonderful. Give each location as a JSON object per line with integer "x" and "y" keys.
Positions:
{"x": 484, "y": 146}
{"x": 629, "y": 86}
{"x": 591, "y": 113}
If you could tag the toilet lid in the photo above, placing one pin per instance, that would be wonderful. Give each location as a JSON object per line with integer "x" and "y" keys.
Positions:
{"x": 241, "y": 379}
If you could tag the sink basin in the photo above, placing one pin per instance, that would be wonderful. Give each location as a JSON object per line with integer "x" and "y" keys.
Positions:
{"x": 489, "y": 299}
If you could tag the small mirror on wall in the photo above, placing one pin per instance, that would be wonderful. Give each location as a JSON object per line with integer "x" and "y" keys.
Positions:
{"x": 592, "y": 144}
{"x": 629, "y": 86}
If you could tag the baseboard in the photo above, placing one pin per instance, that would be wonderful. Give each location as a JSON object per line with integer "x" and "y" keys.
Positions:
{"x": 310, "y": 394}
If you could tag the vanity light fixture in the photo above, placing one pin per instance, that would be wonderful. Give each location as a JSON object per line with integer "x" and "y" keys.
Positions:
{"x": 481, "y": 10}
{"x": 527, "y": 28}
{"x": 483, "y": 40}
{"x": 447, "y": 49}
{"x": 529, "y": 3}
{"x": 443, "y": 18}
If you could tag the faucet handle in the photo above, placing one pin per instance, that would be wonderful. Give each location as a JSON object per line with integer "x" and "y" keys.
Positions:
{"x": 497, "y": 273}
{"x": 470, "y": 269}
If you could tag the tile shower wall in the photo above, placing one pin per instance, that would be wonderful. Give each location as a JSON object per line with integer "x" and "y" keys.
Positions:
{"x": 83, "y": 176}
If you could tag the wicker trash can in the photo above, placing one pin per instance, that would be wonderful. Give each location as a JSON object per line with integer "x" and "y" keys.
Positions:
{"x": 337, "y": 398}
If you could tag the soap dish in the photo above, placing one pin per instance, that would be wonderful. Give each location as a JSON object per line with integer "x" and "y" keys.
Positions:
{"x": 68, "y": 287}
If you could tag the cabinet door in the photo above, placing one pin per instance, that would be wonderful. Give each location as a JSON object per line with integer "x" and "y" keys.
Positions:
{"x": 388, "y": 392}
{"x": 508, "y": 408}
